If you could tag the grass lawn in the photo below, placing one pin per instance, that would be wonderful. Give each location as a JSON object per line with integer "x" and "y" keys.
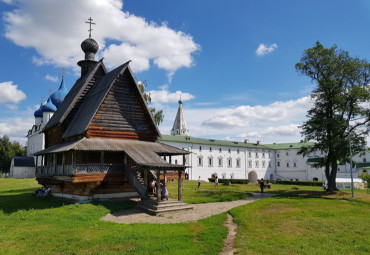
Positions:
{"x": 294, "y": 225}
{"x": 37, "y": 225}
{"x": 307, "y": 221}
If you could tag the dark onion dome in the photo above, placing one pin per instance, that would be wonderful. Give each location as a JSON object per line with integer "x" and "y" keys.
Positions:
{"x": 48, "y": 107}
{"x": 38, "y": 113}
{"x": 89, "y": 46}
{"x": 58, "y": 96}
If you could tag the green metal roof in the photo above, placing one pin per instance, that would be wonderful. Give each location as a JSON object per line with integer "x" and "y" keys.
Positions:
{"x": 285, "y": 146}
{"x": 210, "y": 142}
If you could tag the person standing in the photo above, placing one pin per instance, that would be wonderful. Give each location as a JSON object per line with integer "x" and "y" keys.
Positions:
{"x": 216, "y": 183}
{"x": 199, "y": 182}
{"x": 262, "y": 185}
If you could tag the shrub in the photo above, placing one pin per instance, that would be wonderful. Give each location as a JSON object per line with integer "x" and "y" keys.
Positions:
{"x": 232, "y": 181}
{"x": 303, "y": 183}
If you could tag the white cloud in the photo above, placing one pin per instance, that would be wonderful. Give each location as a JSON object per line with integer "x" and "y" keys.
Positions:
{"x": 9, "y": 93}
{"x": 263, "y": 49}
{"x": 16, "y": 128}
{"x": 277, "y": 122}
{"x": 51, "y": 78}
{"x": 164, "y": 96}
{"x": 56, "y": 29}
{"x": 246, "y": 115}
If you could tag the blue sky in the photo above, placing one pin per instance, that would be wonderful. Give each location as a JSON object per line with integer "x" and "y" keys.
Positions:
{"x": 207, "y": 51}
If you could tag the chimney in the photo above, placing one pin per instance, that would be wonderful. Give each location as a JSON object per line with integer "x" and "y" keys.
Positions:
{"x": 258, "y": 142}
{"x": 246, "y": 140}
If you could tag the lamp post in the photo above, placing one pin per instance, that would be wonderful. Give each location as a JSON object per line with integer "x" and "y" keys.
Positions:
{"x": 350, "y": 157}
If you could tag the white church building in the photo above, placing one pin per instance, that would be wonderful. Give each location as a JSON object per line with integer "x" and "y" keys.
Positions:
{"x": 247, "y": 160}
{"x": 35, "y": 138}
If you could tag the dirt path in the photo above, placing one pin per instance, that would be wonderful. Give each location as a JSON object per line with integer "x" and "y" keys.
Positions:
{"x": 229, "y": 241}
{"x": 198, "y": 212}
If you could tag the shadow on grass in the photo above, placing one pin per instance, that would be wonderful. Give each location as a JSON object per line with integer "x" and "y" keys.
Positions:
{"x": 10, "y": 203}
{"x": 17, "y": 200}
{"x": 115, "y": 206}
{"x": 336, "y": 195}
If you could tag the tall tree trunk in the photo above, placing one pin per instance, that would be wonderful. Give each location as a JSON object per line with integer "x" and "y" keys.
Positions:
{"x": 331, "y": 177}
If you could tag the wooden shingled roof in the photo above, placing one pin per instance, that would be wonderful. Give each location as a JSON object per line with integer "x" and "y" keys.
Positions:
{"x": 70, "y": 103}
{"x": 145, "y": 154}
{"x": 105, "y": 105}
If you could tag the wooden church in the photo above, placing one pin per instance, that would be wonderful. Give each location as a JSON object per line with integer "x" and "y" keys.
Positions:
{"x": 101, "y": 141}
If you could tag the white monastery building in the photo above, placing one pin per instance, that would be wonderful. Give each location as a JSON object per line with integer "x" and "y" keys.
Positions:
{"x": 246, "y": 160}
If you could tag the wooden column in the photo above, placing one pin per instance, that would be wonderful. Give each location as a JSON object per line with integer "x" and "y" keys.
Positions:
{"x": 158, "y": 186}
{"x": 101, "y": 157}
{"x": 146, "y": 177}
{"x": 179, "y": 186}
{"x": 54, "y": 163}
{"x": 63, "y": 162}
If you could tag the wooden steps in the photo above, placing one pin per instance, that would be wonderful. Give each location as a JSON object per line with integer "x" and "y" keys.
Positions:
{"x": 154, "y": 207}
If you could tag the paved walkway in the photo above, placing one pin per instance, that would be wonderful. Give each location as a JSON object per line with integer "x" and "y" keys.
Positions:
{"x": 198, "y": 212}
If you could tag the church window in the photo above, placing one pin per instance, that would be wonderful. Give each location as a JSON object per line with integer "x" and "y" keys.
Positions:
{"x": 238, "y": 162}
{"x": 278, "y": 155}
{"x": 200, "y": 161}
{"x": 287, "y": 153}
{"x": 256, "y": 154}
{"x": 249, "y": 154}
{"x": 364, "y": 160}
{"x": 176, "y": 161}
{"x": 220, "y": 161}
{"x": 269, "y": 164}
{"x": 229, "y": 151}
{"x": 257, "y": 164}
{"x": 287, "y": 164}
{"x": 294, "y": 164}
{"x": 220, "y": 150}
{"x": 210, "y": 149}
{"x": 263, "y": 155}
{"x": 263, "y": 163}
{"x": 210, "y": 161}
{"x": 200, "y": 148}
{"x": 229, "y": 162}
{"x": 250, "y": 163}
{"x": 278, "y": 163}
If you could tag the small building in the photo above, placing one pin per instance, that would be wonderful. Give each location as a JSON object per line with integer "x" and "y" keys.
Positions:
{"x": 22, "y": 167}
{"x": 345, "y": 183}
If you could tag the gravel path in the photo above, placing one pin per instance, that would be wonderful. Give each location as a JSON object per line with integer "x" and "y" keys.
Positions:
{"x": 198, "y": 212}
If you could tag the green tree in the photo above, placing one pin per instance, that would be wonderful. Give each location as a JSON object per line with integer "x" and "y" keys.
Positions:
{"x": 157, "y": 115}
{"x": 366, "y": 178}
{"x": 8, "y": 150}
{"x": 341, "y": 100}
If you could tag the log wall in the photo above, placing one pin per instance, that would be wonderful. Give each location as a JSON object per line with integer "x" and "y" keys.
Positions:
{"x": 123, "y": 115}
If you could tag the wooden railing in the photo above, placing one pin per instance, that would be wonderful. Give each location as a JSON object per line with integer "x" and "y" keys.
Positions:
{"x": 67, "y": 170}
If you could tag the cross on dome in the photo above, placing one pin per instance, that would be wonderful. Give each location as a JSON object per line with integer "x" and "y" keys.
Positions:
{"x": 90, "y": 21}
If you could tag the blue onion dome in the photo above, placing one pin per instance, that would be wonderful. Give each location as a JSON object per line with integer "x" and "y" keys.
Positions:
{"x": 48, "y": 107}
{"x": 58, "y": 96}
{"x": 38, "y": 113}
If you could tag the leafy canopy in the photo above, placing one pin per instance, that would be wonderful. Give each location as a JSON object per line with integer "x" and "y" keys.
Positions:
{"x": 8, "y": 150}
{"x": 341, "y": 105}
{"x": 157, "y": 115}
